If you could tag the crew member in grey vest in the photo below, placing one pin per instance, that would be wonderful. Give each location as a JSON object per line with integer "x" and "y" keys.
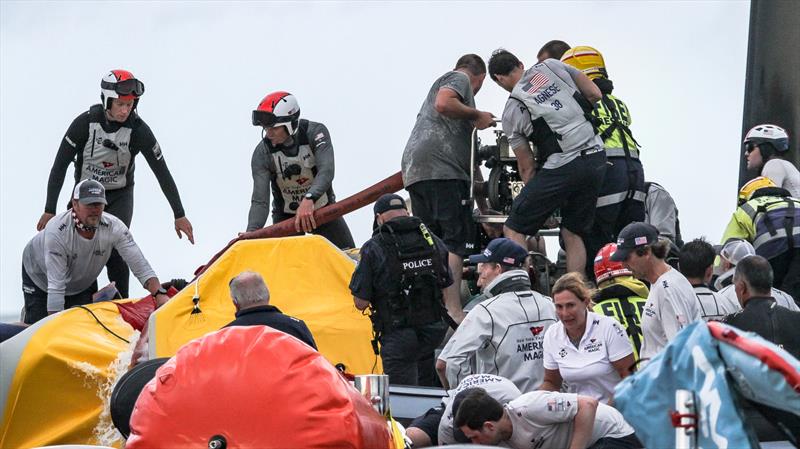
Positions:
{"x": 436, "y": 160}
{"x": 550, "y": 106}
{"x": 61, "y": 263}
{"x": 103, "y": 143}
{"x": 503, "y": 333}
{"x": 294, "y": 159}
{"x": 400, "y": 278}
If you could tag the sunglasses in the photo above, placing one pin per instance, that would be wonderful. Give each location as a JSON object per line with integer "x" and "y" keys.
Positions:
{"x": 749, "y": 147}
{"x": 127, "y": 87}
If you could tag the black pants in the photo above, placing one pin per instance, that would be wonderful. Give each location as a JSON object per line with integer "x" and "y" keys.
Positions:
{"x": 626, "y": 442}
{"x": 614, "y": 212}
{"x": 786, "y": 269}
{"x": 36, "y": 298}
{"x": 336, "y": 230}
{"x": 120, "y": 205}
{"x": 403, "y": 349}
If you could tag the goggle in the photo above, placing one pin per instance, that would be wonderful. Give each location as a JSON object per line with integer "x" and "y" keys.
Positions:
{"x": 267, "y": 119}
{"x": 128, "y": 87}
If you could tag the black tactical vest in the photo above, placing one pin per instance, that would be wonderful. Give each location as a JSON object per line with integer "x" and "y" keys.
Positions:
{"x": 415, "y": 298}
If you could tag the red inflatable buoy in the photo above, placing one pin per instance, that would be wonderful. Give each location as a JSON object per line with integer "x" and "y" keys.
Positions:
{"x": 252, "y": 387}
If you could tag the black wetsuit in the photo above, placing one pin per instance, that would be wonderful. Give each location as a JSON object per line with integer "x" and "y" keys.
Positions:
{"x": 105, "y": 151}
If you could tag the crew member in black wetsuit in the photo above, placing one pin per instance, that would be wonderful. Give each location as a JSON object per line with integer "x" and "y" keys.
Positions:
{"x": 294, "y": 159}
{"x": 103, "y": 143}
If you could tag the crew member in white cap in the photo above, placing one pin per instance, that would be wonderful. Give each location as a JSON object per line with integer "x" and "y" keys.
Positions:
{"x": 61, "y": 263}
{"x": 731, "y": 254}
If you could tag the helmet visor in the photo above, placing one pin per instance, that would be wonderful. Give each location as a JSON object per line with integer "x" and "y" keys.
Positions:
{"x": 128, "y": 87}
{"x": 267, "y": 119}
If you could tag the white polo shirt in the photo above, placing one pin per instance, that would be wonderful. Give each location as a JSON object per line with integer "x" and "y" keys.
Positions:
{"x": 587, "y": 369}
{"x": 671, "y": 306}
{"x": 544, "y": 419}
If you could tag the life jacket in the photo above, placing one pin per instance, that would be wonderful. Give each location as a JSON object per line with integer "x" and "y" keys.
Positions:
{"x": 623, "y": 298}
{"x": 560, "y": 115}
{"x": 415, "y": 299}
{"x": 292, "y": 176}
{"x": 614, "y": 119}
{"x": 776, "y": 220}
{"x": 106, "y": 157}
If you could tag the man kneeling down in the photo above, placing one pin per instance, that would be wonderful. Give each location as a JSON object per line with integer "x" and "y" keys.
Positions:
{"x": 542, "y": 419}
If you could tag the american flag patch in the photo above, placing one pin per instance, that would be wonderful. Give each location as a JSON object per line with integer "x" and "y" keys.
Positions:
{"x": 536, "y": 83}
{"x": 640, "y": 241}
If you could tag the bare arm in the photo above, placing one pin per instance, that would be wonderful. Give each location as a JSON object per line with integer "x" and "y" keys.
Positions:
{"x": 622, "y": 366}
{"x": 448, "y": 103}
{"x": 441, "y": 370}
{"x": 583, "y": 423}
{"x": 587, "y": 87}
{"x": 525, "y": 162}
{"x": 552, "y": 380}
{"x": 360, "y": 304}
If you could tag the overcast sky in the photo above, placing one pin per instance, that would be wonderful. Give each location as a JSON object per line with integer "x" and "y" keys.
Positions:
{"x": 363, "y": 69}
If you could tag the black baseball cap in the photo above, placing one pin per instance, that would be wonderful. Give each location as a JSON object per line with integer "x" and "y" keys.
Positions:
{"x": 388, "y": 202}
{"x": 503, "y": 251}
{"x": 89, "y": 191}
{"x": 633, "y": 236}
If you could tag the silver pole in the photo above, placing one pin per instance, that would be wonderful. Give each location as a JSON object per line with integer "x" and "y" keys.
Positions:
{"x": 686, "y": 428}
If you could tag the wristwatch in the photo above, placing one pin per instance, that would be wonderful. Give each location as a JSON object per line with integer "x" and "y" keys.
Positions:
{"x": 160, "y": 291}
{"x": 310, "y": 197}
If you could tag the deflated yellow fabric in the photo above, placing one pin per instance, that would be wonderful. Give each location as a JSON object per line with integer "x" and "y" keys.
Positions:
{"x": 65, "y": 365}
{"x": 307, "y": 277}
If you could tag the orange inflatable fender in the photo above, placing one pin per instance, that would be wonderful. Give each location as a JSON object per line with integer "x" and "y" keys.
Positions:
{"x": 253, "y": 387}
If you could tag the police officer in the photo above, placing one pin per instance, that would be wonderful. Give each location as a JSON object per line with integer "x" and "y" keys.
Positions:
{"x": 550, "y": 106}
{"x": 294, "y": 159}
{"x": 621, "y": 198}
{"x": 620, "y": 295}
{"x": 400, "y": 277}
{"x": 770, "y": 219}
{"x": 103, "y": 143}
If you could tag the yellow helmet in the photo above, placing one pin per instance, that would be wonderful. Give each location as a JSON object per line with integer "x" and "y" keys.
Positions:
{"x": 586, "y": 59}
{"x": 750, "y": 187}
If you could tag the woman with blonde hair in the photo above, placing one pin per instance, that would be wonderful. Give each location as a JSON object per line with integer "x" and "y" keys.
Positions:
{"x": 584, "y": 353}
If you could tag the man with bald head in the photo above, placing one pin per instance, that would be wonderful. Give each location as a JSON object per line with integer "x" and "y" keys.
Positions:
{"x": 251, "y": 298}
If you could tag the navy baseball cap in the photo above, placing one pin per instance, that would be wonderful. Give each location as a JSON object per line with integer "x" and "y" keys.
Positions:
{"x": 501, "y": 250}
{"x": 633, "y": 236}
{"x": 388, "y": 202}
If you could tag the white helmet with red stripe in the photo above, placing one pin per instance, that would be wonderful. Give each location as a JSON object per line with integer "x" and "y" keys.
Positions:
{"x": 120, "y": 84}
{"x": 278, "y": 109}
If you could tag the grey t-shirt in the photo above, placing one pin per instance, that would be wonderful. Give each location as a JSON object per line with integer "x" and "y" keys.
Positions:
{"x": 517, "y": 121}
{"x": 61, "y": 262}
{"x": 439, "y": 146}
